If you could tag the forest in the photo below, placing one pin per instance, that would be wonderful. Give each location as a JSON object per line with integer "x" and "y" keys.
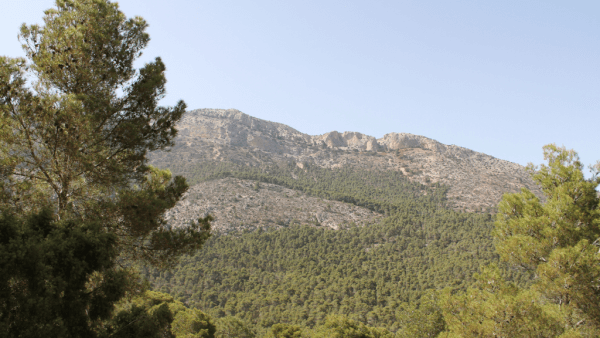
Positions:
{"x": 301, "y": 274}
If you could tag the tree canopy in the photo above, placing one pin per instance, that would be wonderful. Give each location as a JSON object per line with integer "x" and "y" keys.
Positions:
{"x": 78, "y": 121}
{"x": 299, "y": 274}
{"x": 557, "y": 239}
{"x": 77, "y": 197}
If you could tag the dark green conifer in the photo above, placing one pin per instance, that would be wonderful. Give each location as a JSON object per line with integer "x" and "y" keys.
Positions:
{"x": 77, "y": 121}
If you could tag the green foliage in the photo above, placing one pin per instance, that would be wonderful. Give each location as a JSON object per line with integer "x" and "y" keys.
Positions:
{"x": 148, "y": 235}
{"x": 46, "y": 272}
{"x": 76, "y": 123}
{"x": 493, "y": 307}
{"x": 155, "y": 314}
{"x": 380, "y": 191}
{"x": 374, "y": 275}
{"x": 300, "y": 274}
{"x": 558, "y": 240}
{"x": 343, "y": 327}
{"x": 232, "y": 327}
{"x": 140, "y": 322}
{"x": 77, "y": 134}
{"x": 193, "y": 323}
{"x": 422, "y": 320}
{"x": 284, "y": 331}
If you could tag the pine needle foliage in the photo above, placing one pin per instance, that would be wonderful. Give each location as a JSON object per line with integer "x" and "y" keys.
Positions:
{"x": 78, "y": 200}
{"x": 77, "y": 122}
{"x": 557, "y": 240}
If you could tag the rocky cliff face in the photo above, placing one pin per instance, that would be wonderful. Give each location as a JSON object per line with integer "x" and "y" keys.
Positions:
{"x": 477, "y": 181}
{"x": 235, "y": 129}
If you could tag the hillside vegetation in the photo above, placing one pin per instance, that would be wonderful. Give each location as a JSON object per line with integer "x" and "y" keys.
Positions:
{"x": 300, "y": 274}
{"x": 271, "y": 262}
{"x": 424, "y": 271}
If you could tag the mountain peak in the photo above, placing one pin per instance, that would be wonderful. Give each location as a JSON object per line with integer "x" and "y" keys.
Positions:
{"x": 477, "y": 181}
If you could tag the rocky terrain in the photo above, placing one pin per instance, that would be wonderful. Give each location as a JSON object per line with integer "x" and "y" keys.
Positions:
{"x": 476, "y": 181}
{"x": 243, "y": 204}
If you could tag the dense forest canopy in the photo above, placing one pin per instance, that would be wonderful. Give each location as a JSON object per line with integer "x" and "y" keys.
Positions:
{"x": 301, "y": 274}
{"x": 411, "y": 275}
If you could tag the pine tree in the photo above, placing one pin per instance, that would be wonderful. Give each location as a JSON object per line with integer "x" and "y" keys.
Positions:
{"x": 557, "y": 240}
{"x": 77, "y": 121}
{"x": 77, "y": 136}
{"x": 57, "y": 278}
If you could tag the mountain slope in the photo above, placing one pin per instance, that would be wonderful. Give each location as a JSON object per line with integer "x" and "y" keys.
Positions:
{"x": 301, "y": 196}
{"x": 243, "y": 204}
{"x": 476, "y": 181}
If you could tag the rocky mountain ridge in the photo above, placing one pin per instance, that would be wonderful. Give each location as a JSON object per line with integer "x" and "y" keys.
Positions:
{"x": 476, "y": 180}
{"x": 234, "y": 128}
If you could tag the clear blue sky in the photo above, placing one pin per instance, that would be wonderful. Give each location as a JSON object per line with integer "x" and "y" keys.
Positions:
{"x": 499, "y": 77}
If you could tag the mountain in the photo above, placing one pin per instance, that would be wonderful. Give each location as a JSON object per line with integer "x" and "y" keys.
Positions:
{"x": 211, "y": 137}
{"x": 341, "y": 223}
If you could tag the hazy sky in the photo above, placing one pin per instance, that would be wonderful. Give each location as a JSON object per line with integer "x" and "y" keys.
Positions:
{"x": 499, "y": 77}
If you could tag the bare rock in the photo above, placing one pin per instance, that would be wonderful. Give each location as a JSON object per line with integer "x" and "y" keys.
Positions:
{"x": 477, "y": 181}
{"x": 237, "y": 205}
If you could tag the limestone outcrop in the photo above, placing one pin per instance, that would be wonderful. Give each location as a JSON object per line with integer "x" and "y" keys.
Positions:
{"x": 236, "y": 204}
{"x": 477, "y": 181}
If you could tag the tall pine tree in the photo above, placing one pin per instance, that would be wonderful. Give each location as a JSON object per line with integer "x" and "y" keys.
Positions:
{"x": 558, "y": 240}
{"x": 77, "y": 121}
